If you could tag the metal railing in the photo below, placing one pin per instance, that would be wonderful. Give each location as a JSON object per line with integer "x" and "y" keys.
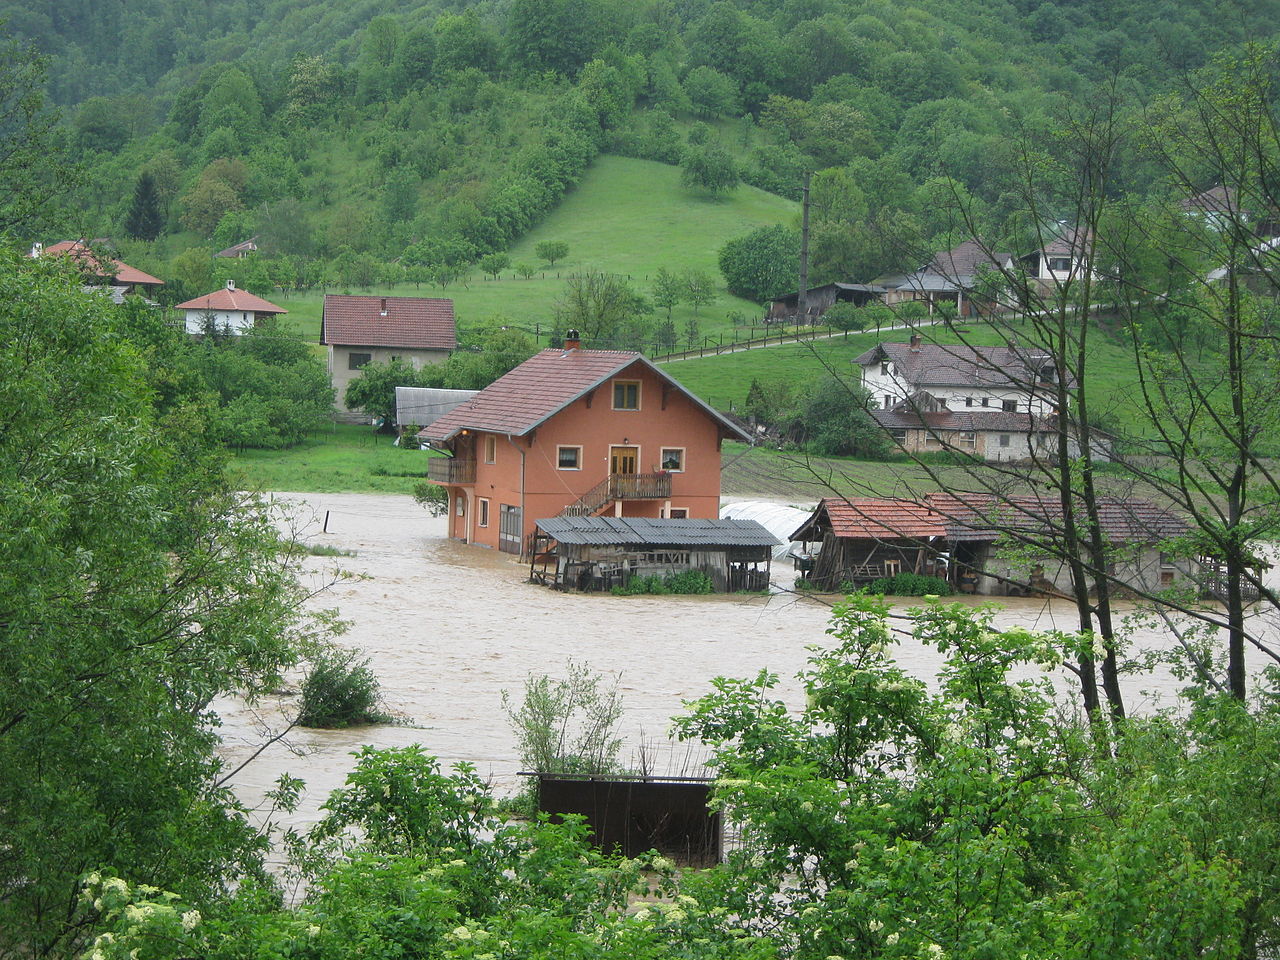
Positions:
{"x": 451, "y": 470}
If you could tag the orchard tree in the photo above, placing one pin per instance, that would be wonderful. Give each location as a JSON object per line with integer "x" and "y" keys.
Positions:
{"x": 699, "y": 288}
{"x": 494, "y": 263}
{"x": 373, "y": 393}
{"x": 762, "y": 264}
{"x": 551, "y": 250}
{"x": 667, "y": 291}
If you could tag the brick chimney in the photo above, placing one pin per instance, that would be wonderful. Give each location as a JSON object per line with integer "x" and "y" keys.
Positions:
{"x": 915, "y": 343}
{"x": 571, "y": 340}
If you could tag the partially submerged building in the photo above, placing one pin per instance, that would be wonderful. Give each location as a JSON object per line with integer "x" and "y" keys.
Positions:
{"x": 984, "y": 544}
{"x": 577, "y": 433}
{"x": 599, "y": 553}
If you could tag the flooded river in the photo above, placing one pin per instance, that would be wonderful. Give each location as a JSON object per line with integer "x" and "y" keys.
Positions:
{"x": 448, "y": 628}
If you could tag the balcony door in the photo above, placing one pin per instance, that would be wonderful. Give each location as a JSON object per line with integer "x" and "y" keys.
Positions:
{"x": 623, "y": 460}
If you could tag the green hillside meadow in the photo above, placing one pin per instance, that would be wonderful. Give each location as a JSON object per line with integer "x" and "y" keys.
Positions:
{"x": 629, "y": 217}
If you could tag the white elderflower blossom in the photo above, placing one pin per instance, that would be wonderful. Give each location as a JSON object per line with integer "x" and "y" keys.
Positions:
{"x": 190, "y": 920}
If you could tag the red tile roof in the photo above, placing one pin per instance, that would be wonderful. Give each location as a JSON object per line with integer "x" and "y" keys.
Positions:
{"x": 982, "y": 518}
{"x": 228, "y": 298}
{"x": 123, "y": 273}
{"x": 414, "y": 323}
{"x": 978, "y": 517}
{"x": 544, "y": 385}
{"x": 868, "y": 519}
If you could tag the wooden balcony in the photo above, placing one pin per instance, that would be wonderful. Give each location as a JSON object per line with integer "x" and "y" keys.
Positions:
{"x": 620, "y": 486}
{"x": 451, "y": 470}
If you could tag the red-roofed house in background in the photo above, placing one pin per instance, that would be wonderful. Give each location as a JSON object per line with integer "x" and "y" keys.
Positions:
{"x": 228, "y": 309}
{"x": 574, "y": 432}
{"x": 119, "y": 279}
{"x": 361, "y": 330}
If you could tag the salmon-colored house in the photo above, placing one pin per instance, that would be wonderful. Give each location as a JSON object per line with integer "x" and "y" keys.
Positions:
{"x": 577, "y": 433}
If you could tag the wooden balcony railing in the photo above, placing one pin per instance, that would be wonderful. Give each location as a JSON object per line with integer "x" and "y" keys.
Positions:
{"x": 620, "y": 486}
{"x": 451, "y": 470}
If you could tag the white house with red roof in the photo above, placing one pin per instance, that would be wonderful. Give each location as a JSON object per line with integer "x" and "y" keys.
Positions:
{"x": 228, "y": 309}
{"x": 363, "y": 330}
{"x": 104, "y": 273}
{"x": 577, "y": 433}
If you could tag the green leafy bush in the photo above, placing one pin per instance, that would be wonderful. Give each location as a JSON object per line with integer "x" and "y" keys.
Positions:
{"x": 687, "y": 582}
{"x": 569, "y": 725}
{"x": 909, "y": 585}
{"x": 340, "y": 691}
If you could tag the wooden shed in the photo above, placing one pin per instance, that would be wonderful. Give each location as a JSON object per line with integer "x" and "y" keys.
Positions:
{"x": 864, "y": 539}
{"x": 599, "y": 553}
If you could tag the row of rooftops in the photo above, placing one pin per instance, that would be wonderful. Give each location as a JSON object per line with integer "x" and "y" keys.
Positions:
{"x": 981, "y": 517}
{"x": 410, "y": 323}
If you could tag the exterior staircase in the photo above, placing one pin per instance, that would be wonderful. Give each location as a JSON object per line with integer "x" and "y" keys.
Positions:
{"x": 620, "y": 486}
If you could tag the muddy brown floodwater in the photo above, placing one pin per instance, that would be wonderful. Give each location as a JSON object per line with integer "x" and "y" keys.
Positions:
{"x": 448, "y": 627}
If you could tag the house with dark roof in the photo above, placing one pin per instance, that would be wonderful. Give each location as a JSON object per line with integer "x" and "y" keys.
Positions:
{"x": 239, "y": 251}
{"x": 362, "y": 330}
{"x": 576, "y": 433}
{"x": 1065, "y": 258}
{"x": 820, "y": 299}
{"x": 985, "y": 544}
{"x": 993, "y": 402}
{"x": 951, "y": 276}
{"x": 228, "y": 310}
{"x": 101, "y": 272}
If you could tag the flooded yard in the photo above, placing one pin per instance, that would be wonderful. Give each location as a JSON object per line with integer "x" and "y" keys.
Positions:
{"x": 448, "y": 627}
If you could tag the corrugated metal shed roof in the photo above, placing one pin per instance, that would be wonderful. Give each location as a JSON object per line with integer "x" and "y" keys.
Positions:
{"x": 423, "y": 406}
{"x": 643, "y": 531}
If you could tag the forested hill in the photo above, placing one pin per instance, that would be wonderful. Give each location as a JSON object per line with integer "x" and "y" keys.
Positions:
{"x": 356, "y": 134}
{"x": 112, "y": 47}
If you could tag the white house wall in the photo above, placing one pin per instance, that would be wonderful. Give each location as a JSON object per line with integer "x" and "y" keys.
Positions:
{"x": 881, "y": 385}
{"x": 238, "y": 321}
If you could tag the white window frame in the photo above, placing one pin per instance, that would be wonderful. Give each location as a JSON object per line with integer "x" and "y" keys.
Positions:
{"x": 677, "y": 513}
{"x": 482, "y": 513}
{"x": 490, "y": 448}
{"x": 662, "y": 458}
{"x": 577, "y": 459}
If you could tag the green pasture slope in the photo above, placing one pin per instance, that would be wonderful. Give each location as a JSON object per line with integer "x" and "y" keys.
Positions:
{"x": 629, "y": 217}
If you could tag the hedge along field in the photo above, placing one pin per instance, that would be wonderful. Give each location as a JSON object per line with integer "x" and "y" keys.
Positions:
{"x": 629, "y": 217}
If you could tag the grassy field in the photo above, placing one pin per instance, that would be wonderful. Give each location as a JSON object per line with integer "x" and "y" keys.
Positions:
{"x": 629, "y": 217}
{"x": 345, "y": 459}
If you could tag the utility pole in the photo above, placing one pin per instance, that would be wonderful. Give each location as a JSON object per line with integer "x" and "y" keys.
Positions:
{"x": 802, "y": 300}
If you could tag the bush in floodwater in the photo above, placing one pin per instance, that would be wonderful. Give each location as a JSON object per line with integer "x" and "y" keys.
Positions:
{"x": 909, "y": 585}
{"x": 686, "y": 582}
{"x": 340, "y": 691}
{"x": 569, "y": 725}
